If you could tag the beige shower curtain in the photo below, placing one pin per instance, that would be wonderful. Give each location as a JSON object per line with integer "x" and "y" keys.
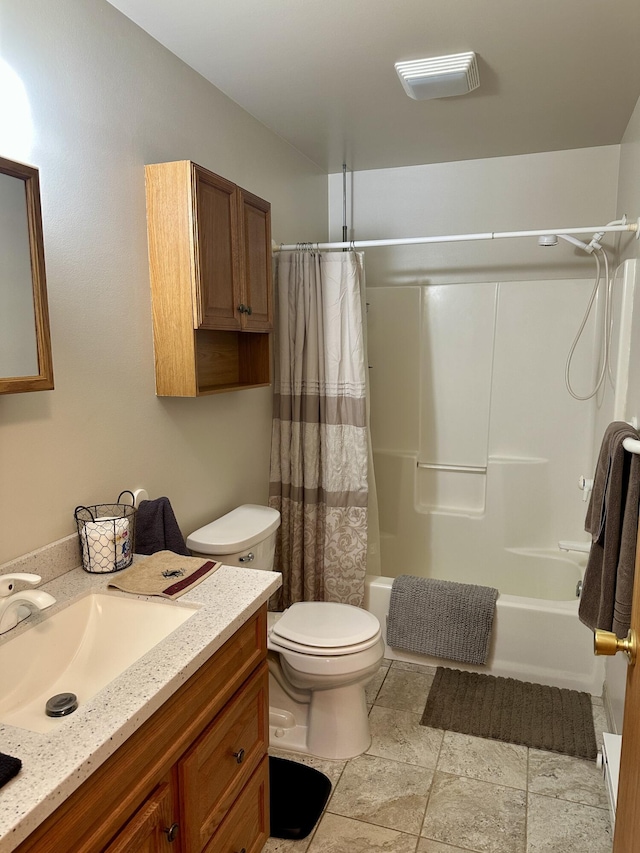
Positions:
{"x": 319, "y": 449}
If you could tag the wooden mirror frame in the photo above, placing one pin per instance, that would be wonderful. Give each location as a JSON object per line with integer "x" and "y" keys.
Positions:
{"x": 43, "y": 381}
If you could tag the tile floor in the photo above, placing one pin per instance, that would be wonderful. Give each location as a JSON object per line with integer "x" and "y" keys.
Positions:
{"x": 422, "y": 790}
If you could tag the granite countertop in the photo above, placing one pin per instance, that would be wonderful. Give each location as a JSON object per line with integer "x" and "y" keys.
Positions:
{"x": 55, "y": 764}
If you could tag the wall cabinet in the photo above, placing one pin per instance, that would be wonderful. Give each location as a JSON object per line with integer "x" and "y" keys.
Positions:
{"x": 211, "y": 281}
{"x": 192, "y": 779}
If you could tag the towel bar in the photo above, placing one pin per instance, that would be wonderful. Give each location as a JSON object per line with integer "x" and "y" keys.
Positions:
{"x": 632, "y": 445}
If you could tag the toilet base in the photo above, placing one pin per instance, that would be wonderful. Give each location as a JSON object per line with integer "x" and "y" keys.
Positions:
{"x": 332, "y": 724}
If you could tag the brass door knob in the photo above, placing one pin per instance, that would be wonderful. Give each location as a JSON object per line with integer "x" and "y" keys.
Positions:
{"x": 607, "y": 643}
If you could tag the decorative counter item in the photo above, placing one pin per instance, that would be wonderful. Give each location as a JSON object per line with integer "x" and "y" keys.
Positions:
{"x": 107, "y": 535}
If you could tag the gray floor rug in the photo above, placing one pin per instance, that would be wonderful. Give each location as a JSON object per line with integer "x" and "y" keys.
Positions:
{"x": 534, "y": 715}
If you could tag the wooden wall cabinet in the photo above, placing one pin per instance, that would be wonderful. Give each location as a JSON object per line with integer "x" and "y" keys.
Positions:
{"x": 193, "y": 779}
{"x": 211, "y": 281}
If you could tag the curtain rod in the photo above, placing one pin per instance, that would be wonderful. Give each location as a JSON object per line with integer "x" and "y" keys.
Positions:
{"x": 460, "y": 238}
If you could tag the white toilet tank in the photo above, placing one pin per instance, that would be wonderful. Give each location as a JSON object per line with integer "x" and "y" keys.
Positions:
{"x": 246, "y": 537}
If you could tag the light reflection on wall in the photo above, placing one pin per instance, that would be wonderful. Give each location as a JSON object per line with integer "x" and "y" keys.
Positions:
{"x": 16, "y": 125}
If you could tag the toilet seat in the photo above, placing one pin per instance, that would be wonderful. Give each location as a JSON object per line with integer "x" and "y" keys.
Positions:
{"x": 325, "y": 628}
{"x": 277, "y": 644}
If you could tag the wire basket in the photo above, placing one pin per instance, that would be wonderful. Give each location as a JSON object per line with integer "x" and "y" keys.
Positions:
{"x": 107, "y": 535}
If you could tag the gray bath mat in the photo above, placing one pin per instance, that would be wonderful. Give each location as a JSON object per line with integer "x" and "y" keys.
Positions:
{"x": 534, "y": 715}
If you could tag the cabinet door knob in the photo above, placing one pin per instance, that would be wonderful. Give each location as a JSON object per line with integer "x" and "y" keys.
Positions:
{"x": 239, "y": 756}
{"x": 172, "y": 832}
{"x": 249, "y": 310}
{"x": 242, "y": 308}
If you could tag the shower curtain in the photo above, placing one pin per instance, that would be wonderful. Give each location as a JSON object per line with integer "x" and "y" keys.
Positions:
{"x": 320, "y": 442}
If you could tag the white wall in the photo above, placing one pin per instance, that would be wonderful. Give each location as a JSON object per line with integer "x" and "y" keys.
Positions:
{"x": 104, "y": 99}
{"x": 557, "y": 188}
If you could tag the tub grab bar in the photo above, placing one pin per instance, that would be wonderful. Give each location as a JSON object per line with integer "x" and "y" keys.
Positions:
{"x": 464, "y": 469}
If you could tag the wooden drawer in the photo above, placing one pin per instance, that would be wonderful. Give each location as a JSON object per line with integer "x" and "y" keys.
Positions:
{"x": 151, "y": 829}
{"x": 219, "y": 764}
{"x": 246, "y": 826}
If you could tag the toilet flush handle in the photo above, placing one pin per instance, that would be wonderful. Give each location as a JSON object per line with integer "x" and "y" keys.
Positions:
{"x": 248, "y": 558}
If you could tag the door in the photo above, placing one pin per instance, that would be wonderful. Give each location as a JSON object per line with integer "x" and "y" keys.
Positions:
{"x": 627, "y": 832}
{"x": 255, "y": 261}
{"x": 217, "y": 264}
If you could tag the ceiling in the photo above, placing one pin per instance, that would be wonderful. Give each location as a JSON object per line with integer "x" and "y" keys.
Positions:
{"x": 554, "y": 74}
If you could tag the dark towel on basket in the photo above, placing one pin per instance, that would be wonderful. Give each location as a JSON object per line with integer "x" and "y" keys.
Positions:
{"x": 441, "y": 618}
{"x": 612, "y": 521}
{"x": 9, "y": 767}
{"x": 157, "y": 529}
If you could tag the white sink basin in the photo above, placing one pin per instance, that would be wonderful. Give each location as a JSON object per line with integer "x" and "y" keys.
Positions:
{"x": 79, "y": 650}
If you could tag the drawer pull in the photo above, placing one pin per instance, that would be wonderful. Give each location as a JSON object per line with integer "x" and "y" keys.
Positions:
{"x": 239, "y": 757}
{"x": 172, "y": 832}
{"x": 244, "y": 850}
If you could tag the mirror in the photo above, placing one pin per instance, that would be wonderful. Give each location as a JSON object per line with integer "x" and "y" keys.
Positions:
{"x": 25, "y": 343}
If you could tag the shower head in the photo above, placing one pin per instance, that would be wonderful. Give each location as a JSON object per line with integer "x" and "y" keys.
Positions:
{"x": 552, "y": 240}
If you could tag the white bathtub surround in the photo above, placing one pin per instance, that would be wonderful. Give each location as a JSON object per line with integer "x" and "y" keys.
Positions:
{"x": 533, "y": 640}
{"x": 319, "y": 449}
{"x": 483, "y": 407}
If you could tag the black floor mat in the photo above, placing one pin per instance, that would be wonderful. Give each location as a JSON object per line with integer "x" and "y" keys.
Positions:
{"x": 298, "y": 794}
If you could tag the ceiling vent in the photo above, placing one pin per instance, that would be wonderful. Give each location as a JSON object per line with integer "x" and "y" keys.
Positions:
{"x": 439, "y": 77}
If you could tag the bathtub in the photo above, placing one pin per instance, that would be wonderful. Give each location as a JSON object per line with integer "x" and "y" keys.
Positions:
{"x": 534, "y": 639}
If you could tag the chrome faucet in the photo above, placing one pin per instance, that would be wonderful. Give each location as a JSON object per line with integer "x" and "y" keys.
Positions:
{"x": 16, "y": 606}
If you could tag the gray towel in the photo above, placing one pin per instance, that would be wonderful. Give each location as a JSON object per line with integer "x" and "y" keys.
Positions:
{"x": 157, "y": 529}
{"x": 612, "y": 520}
{"x": 441, "y": 618}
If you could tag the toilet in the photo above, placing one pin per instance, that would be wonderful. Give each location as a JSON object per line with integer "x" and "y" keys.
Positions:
{"x": 321, "y": 654}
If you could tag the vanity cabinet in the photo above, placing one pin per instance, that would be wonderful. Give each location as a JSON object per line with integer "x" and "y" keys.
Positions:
{"x": 211, "y": 281}
{"x": 192, "y": 779}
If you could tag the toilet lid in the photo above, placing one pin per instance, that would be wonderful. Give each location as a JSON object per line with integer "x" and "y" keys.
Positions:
{"x": 325, "y": 625}
{"x": 239, "y": 529}
{"x": 277, "y": 644}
